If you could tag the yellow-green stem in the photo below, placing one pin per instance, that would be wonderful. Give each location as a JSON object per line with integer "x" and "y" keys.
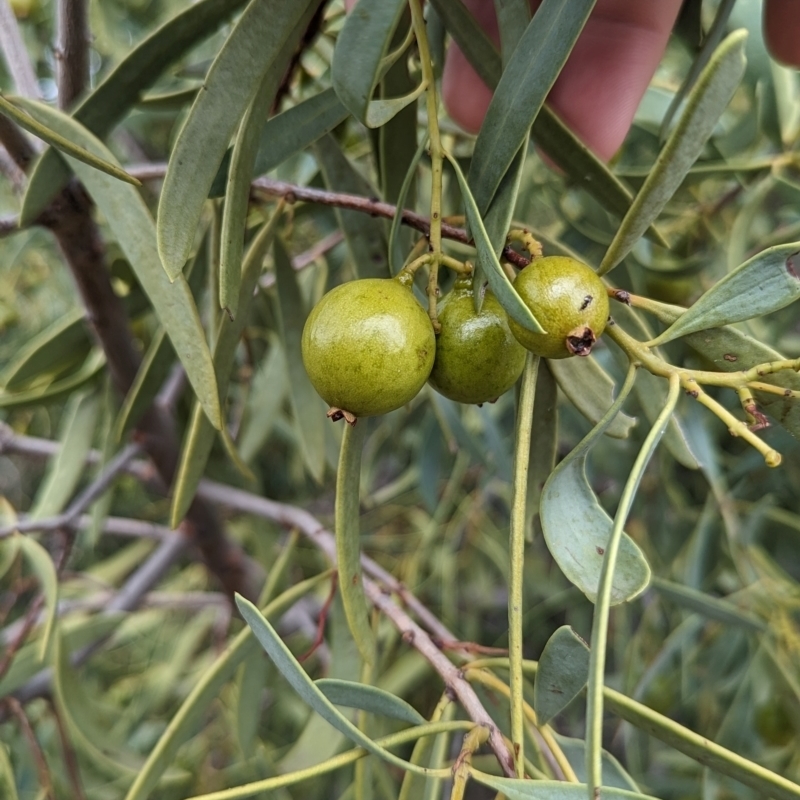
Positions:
{"x": 436, "y": 152}
{"x": 517, "y": 555}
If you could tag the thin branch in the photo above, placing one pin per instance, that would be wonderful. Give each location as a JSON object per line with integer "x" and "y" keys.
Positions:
{"x": 73, "y": 50}
{"x": 354, "y": 202}
{"x": 23, "y": 628}
{"x": 16, "y": 143}
{"x": 16, "y": 710}
{"x": 12, "y": 46}
{"x": 70, "y": 757}
{"x": 69, "y": 518}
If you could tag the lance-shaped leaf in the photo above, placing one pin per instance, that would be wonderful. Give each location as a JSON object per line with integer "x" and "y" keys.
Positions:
{"x": 765, "y": 283}
{"x": 308, "y": 408}
{"x": 263, "y": 35}
{"x": 498, "y": 280}
{"x": 591, "y": 390}
{"x": 707, "y": 101}
{"x": 395, "y": 248}
{"x": 200, "y": 437}
{"x": 562, "y": 673}
{"x": 360, "y": 48}
{"x": 132, "y": 226}
{"x": 8, "y": 784}
{"x": 298, "y": 127}
{"x": 115, "y": 95}
{"x": 237, "y": 196}
{"x": 365, "y": 235}
{"x": 369, "y": 698}
{"x": 42, "y": 566}
{"x": 515, "y": 789}
{"x": 577, "y": 528}
{"x": 298, "y": 679}
{"x": 60, "y": 141}
{"x": 521, "y": 91}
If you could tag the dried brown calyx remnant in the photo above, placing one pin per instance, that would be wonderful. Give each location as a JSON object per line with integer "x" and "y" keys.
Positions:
{"x": 335, "y": 414}
{"x": 580, "y": 340}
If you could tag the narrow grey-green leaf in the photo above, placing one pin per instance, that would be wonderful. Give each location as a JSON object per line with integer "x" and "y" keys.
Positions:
{"x": 200, "y": 436}
{"x": 711, "y": 607}
{"x": 395, "y": 248}
{"x": 297, "y": 128}
{"x": 576, "y": 527}
{"x": 294, "y": 673}
{"x": 348, "y": 541}
{"x": 706, "y": 102}
{"x": 107, "y": 104}
{"x": 91, "y": 368}
{"x": 765, "y": 283}
{"x": 68, "y": 467}
{"x": 61, "y": 142}
{"x": 308, "y": 409}
{"x": 709, "y": 45}
{"x": 365, "y": 235}
{"x": 151, "y": 375}
{"x": 261, "y": 38}
{"x": 369, "y": 698}
{"x": 498, "y": 280}
{"x": 513, "y": 18}
{"x": 237, "y": 196}
{"x": 8, "y": 785}
{"x": 267, "y": 392}
{"x": 562, "y": 673}
{"x": 252, "y": 682}
{"x": 498, "y": 218}
{"x": 360, "y": 48}
{"x": 61, "y": 343}
{"x": 383, "y": 110}
{"x": 132, "y": 226}
{"x": 531, "y": 71}
{"x": 591, "y": 390}
{"x": 43, "y": 568}
{"x": 614, "y": 774}
{"x": 551, "y": 134}
{"x": 516, "y": 789}
{"x": 205, "y": 691}
{"x": 544, "y": 442}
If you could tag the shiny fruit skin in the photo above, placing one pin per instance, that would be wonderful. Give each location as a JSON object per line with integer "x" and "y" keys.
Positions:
{"x": 368, "y": 346}
{"x": 477, "y": 357}
{"x": 569, "y": 300}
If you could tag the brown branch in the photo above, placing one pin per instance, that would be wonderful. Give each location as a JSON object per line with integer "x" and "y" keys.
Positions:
{"x": 12, "y": 47}
{"x": 16, "y": 710}
{"x": 28, "y": 623}
{"x": 72, "y": 52}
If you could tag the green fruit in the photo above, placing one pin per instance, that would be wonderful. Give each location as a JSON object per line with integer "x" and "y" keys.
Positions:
{"x": 368, "y": 346}
{"x": 477, "y": 358}
{"x": 569, "y": 300}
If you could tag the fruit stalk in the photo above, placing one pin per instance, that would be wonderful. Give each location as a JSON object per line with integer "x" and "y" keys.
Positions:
{"x": 437, "y": 155}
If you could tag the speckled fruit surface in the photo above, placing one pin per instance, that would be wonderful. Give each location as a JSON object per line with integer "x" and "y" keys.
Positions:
{"x": 569, "y": 300}
{"x": 368, "y": 346}
{"x": 477, "y": 357}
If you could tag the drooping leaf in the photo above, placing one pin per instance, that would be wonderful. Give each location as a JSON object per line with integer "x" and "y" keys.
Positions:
{"x": 395, "y": 249}
{"x": 68, "y": 467}
{"x": 348, "y": 541}
{"x": 562, "y": 674}
{"x": 294, "y": 673}
{"x": 706, "y": 102}
{"x": 63, "y": 142}
{"x": 237, "y": 195}
{"x": 369, "y": 698}
{"x": 365, "y": 235}
{"x": 183, "y": 723}
{"x": 101, "y": 110}
{"x": 521, "y": 92}
{"x": 265, "y": 37}
{"x": 576, "y": 527}
{"x": 513, "y": 18}
{"x": 64, "y": 341}
{"x": 360, "y": 48}
{"x": 515, "y": 789}
{"x": 308, "y": 408}
{"x": 765, "y": 283}
{"x": 8, "y": 785}
{"x": 498, "y": 280}
{"x": 591, "y": 390}
{"x": 267, "y": 392}
{"x": 200, "y": 436}
{"x": 42, "y": 566}
{"x": 614, "y": 774}
{"x": 132, "y": 226}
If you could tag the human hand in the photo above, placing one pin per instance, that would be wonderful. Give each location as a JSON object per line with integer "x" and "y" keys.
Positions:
{"x": 609, "y": 69}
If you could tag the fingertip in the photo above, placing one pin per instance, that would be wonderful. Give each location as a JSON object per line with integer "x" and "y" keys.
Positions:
{"x": 782, "y": 31}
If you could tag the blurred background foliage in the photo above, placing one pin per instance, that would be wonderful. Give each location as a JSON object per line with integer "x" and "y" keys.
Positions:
{"x": 435, "y": 483}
